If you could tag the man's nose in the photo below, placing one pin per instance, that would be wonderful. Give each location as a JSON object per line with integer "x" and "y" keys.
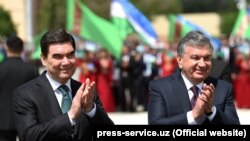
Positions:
{"x": 202, "y": 63}
{"x": 65, "y": 60}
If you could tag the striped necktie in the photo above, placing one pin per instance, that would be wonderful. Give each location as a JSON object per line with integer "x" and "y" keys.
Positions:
{"x": 66, "y": 101}
{"x": 194, "y": 89}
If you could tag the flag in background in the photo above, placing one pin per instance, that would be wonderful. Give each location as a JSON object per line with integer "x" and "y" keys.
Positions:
{"x": 119, "y": 19}
{"x": 174, "y": 29}
{"x": 241, "y": 27}
{"x": 139, "y": 22}
{"x": 2, "y": 56}
{"x": 93, "y": 28}
{"x": 187, "y": 26}
{"x": 73, "y": 16}
{"x": 36, "y": 42}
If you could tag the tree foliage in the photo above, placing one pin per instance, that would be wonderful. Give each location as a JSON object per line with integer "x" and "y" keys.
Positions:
{"x": 7, "y": 27}
{"x": 227, "y": 22}
{"x": 228, "y": 16}
{"x": 193, "y": 6}
{"x": 51, "y": 14}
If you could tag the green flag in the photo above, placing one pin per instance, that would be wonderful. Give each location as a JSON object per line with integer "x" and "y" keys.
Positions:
{"x": 70, "y": 15}
{"x": 119, "y": 19}
{"x": 177, "y": 29}
{"x": 36, "y": 42}
{"x": 94, "y": 28}
{"x": 185, "y": 29}
{"x": 171, "y": 28}
{"x": 1, "y": 56}
{"x": 241, "y": 27}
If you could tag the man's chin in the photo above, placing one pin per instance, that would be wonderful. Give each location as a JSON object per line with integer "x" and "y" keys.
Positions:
{"x": 201, "y": 76}
{"x": 66, "y": 75}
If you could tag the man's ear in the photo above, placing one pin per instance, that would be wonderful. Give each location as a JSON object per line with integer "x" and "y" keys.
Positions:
{"x": 179, "y": 61}
{"x": 43, "y": 60}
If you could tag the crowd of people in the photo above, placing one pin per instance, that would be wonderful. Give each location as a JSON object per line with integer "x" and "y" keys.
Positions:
{"x": 128, "y": 84}
{"x": 123, "y": 83}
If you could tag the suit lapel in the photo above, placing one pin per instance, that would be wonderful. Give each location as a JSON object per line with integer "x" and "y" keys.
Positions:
{"x": 74, "y": 86}
{"x": 48, "y": 95}
{"x": 181, "y": 91}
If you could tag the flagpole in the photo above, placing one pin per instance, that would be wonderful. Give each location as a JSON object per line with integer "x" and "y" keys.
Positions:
{"x": 29, "y": 23}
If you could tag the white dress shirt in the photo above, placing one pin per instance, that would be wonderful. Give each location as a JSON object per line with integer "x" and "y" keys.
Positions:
{"x": 190, "y": 118}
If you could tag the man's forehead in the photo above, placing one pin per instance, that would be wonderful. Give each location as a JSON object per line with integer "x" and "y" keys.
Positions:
{"x": 198, "y": 50}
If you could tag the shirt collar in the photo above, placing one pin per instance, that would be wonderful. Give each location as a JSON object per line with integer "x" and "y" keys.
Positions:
{"x": 55, "y": 84}
{"x": 189, "y": 84}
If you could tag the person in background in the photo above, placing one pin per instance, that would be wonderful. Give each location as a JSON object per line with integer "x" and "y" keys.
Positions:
{"x": 13, "y": 72}
{"x": 221, "y": 70}
{"x": 87, "y": 65}
{"x": 241, "y": 79}
{"x": 224, "y": 61}
{"x": 190, "y": 96}
{"x": 104, "y": 79}
{"x": 53, "y": 106}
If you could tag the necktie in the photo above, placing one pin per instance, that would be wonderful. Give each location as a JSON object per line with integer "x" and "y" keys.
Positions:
{"x": 194, "y": 89}
{"x": 66, "y": 101}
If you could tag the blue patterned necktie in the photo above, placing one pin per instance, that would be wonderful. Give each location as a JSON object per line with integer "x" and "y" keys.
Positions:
{"x": 194, "y": 89}
{"x": 66, "y": 101}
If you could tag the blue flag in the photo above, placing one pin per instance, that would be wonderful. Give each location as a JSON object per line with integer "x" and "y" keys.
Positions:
{"x": 139, "y": 22}
{"x": 189, "y": 26}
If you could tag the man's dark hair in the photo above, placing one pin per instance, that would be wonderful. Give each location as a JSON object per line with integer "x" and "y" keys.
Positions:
{"x": 55, "y": 36}
{"x": 14, "y": 44}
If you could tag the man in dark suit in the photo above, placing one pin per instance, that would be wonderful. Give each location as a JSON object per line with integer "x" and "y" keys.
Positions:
{"x": 221, "y": 70}
{"x": 38, "y": 103}
{"x": 190, "y": 96}
{"x": 13, "y": 72}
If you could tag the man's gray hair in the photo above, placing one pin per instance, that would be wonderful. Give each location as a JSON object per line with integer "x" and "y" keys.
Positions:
{"x": 195, "y": 39}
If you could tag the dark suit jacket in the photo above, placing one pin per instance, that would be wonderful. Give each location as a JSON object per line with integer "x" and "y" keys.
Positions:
{"x": 13, "y": 72}
{"x": 38, "y": 115}
{"x": 169, "y": 101}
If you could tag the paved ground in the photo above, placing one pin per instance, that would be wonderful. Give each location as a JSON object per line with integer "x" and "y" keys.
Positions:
{"x": 140, "y": 118}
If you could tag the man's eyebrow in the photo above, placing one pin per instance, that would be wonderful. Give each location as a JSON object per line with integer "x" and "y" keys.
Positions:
{"x": 72, "y": 52}
{"x": 57, "y": 54}
{"x": 63, "y": 54}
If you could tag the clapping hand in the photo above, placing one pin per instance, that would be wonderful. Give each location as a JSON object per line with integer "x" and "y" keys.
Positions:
{"x": 87, "y": 96}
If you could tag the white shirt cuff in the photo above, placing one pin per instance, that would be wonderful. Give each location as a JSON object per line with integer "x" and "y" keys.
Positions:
{"x": 92, "y": 112}
{"x": 190, "y": 118}
{"x": 71, "y": 120}
{"x": 192, "y": 121}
